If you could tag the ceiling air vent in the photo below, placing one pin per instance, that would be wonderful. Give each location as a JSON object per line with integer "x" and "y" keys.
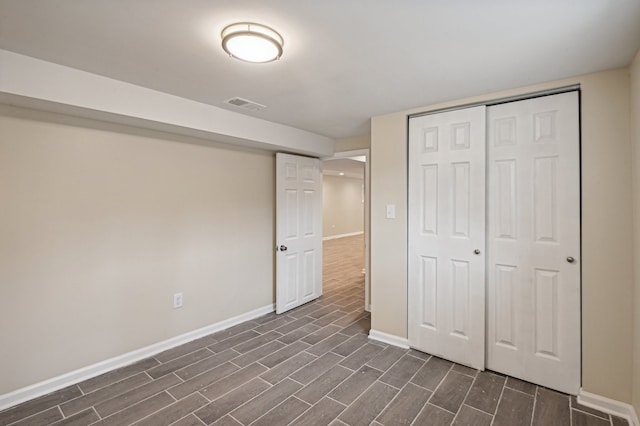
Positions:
{"x": 245, "y": 104}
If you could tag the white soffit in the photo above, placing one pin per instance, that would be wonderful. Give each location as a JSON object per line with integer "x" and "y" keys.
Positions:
{"x": 34, "y": 83}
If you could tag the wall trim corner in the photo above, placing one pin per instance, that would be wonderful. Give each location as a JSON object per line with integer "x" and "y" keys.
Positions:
{"x": 608, "y": 405}
{"x": 390, "y": 339}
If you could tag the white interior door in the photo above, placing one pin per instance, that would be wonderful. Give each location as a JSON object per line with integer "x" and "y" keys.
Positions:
{"x": 447, "y": 235}
{"x": 298, "y": 230}
{"x": 533, "y": 329}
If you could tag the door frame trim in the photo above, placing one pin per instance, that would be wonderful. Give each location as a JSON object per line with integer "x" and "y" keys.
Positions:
{"x": 497, "y": 101}
{"x": 367, "y": 215}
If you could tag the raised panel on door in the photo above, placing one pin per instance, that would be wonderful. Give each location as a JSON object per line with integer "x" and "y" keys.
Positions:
{"x": 461, "y": 187}
{"x": 506, "y": 278}
{"x": 291, "y": 264}
{"x": 291, "y": 214}
{"x": 533, "y": 294}
{"x": 547, "y": 310}
{"x": 428, "y": 202}
{"x": 459, "y": 323}
{"x": 428, "y": 292}
{"x": 298, "y": 231}
{"x": 308, "y": 286}
{"x": 446, "y": 226}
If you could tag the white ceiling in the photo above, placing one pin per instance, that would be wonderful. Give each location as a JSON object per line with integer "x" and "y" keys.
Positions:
{"x": 344, "y": 60}
{"x": 350, "y": 167}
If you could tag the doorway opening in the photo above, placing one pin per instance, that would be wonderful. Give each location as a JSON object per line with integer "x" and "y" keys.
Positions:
{"x": 346, "y": 223}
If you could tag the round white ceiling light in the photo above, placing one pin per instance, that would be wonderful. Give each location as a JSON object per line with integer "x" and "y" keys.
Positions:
{"x": 252, "y": 42}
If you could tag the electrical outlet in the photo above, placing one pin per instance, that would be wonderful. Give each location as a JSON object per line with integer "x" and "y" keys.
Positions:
{"x": 177, "y": 300}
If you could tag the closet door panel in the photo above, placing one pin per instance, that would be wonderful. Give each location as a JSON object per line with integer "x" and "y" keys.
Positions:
{"x": 533, "y": 297}
{"x": 446, "y": 228}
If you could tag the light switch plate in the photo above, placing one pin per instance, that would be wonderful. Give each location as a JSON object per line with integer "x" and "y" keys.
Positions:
{"x": 177, "y": 300}
{"x": 391, "y": 211}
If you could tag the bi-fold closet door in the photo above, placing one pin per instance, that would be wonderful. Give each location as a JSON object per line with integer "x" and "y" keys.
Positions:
{"x": 494, "y": 238}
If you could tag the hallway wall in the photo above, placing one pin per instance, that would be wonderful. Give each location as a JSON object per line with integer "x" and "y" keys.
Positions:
{"x": 342, "y": 205}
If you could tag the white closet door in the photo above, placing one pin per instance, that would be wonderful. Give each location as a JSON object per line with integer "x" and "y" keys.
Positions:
{"x": 446, "y": 230}
{"x": 533, "y": 305}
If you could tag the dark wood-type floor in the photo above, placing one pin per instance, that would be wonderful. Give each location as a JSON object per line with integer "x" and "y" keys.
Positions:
{"x": 311, "y": 366}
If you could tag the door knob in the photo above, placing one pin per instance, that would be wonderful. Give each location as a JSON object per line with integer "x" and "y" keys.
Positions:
{"x": 570, "y": 259}
{"x": 283, "y": 248}
{"x": 476, "y": 251}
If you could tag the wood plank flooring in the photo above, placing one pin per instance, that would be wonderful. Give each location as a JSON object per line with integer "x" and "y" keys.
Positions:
{"x": 311, "y": 366}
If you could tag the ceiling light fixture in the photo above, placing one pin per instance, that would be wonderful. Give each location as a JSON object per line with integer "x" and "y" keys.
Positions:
{"x": 252, "y": 42}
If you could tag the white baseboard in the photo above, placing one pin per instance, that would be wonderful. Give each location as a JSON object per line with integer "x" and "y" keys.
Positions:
{"x": 390, "y": 339}
{"x": 611, "y": 406}
{"x": 334, "y": 237}
{"x": 77, "y": 376}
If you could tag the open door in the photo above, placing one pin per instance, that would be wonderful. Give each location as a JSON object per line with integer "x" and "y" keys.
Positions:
{"x": 298, "y": 230}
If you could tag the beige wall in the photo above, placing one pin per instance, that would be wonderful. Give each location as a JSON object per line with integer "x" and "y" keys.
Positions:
{"x": 606, "y": 221}
{"x": 342, "y": 206}
{"x": 101, "y": 224}
{"x": 635, "y": 140}
{"x": 353, "y": 143}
